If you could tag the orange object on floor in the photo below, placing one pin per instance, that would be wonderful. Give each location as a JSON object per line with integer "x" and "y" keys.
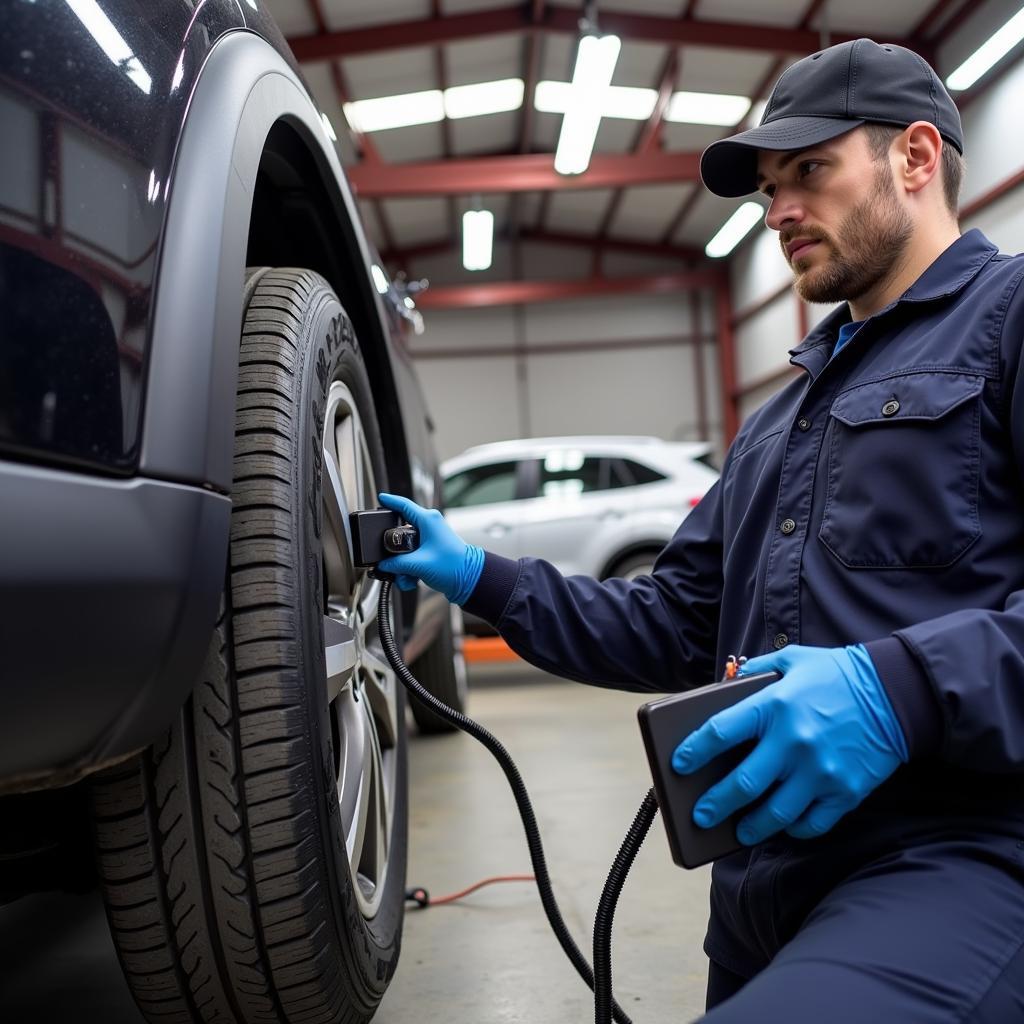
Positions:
{"x": 483, "y": 649}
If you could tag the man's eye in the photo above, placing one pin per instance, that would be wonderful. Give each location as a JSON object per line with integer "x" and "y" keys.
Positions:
{"x": 807, "y": 166}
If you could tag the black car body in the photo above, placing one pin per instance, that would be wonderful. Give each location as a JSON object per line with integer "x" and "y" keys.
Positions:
{"x": 152, "y": 152}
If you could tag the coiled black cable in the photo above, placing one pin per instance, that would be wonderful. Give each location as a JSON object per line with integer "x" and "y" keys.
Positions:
{"x": 540, "y": 869}
{"x": 603, "y": 1001}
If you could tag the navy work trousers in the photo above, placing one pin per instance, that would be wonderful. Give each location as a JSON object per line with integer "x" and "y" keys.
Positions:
{"x": 931, "y": 933}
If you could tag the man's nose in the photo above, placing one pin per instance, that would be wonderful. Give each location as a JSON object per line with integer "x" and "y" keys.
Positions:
{"x": 784, "y": 211}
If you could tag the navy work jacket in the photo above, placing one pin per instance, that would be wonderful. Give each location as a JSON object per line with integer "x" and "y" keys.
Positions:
{"x": 876, "y": 499}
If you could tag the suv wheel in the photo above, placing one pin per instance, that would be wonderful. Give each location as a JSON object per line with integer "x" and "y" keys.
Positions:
{"x": 253, "y": 860}
{"x": 641, "y": 563}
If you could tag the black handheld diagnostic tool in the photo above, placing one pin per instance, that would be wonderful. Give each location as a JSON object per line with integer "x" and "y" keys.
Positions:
{"x": 379, "y": 533}
{"x": 664, "y": 724}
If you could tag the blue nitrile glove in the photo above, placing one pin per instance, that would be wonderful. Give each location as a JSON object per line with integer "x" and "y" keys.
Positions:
{"x": 443, "y": 560}
{"x": 826, "y": 734}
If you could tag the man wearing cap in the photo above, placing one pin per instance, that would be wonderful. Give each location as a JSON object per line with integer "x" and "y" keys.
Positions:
{"x": 868, "y": 532}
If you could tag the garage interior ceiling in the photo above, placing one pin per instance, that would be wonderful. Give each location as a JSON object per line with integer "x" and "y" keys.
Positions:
{"x": 640, "y": 194}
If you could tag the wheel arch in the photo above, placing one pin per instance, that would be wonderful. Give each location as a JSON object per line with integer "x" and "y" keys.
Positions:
{"x": 653, "y": 547}
{"x": 253, "y": 152}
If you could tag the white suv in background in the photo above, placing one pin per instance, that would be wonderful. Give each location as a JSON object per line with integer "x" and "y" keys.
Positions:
{"x": 600, "y": 506}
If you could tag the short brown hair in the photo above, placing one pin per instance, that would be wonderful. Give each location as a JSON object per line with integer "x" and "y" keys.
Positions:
{"x": 880, "y": 137}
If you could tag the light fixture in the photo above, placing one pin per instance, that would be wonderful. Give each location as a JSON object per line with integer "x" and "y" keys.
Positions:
{"x": 484, "y": 98}
{"x": 707, "y": 108}
{"x": 734, "y": 230}
{"x": 627, "y": 102}
{"x": 396, "y": 111}
{"x": 595, "y": 65}
{"x": 988, "y": 54}
{"x": 110, "y": 41}
{"x": 379, "y": 279}
{"x": 635, "y": 104}
{"x": 433, "y": 105}
{"x": 477, "y": 239}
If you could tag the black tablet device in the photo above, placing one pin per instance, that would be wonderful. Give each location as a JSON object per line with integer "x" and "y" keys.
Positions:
{"x": 665, "y": 724}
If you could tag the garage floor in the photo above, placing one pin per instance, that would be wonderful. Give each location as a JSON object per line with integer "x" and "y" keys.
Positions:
{"x": 491, "y": 957}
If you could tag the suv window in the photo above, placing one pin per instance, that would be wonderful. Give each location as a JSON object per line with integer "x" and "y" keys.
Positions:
{"x": 640, "y": 473}
{"x": 569, "y": 472}
{"x": 481, "y": 485}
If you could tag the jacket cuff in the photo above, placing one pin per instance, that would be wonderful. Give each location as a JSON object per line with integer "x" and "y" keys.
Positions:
{"x": 493, "y": 590}
{"x": 910, "y": 694}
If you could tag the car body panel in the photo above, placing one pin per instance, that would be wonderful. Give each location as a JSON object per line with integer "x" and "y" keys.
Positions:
{"x": 126, "y": 520}
{"x": 584, "y": 532}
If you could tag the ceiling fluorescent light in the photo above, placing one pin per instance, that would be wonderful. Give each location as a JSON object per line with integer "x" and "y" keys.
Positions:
{"x": 734, "y": 230}
{"x": 595, "y": 65}
{"x": 622, "y": 101}
{"x": 396, "y": 111}
{"x": 484, "y": 98}
{"x": 988, "y": 54}
{"x": 477, "y": 239}
{"x": 707, "y": 108}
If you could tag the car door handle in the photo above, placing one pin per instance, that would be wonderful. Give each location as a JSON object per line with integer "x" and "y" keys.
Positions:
{"x": 609, "y": 514}
{"x": 497, "y": 530}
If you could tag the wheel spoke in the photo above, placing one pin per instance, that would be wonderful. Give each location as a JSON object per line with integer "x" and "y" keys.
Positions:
{"x": 379, "y": 690}
{"x": 341, "y": 653}
{"x": 337, "y": 534}
{"x": 355, "y": 841}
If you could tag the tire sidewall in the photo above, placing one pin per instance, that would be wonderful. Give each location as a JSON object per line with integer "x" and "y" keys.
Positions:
{"x": 331, "y": 353}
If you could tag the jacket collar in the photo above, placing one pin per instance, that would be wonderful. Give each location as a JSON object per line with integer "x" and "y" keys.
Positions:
{"x": 952, "y": 271}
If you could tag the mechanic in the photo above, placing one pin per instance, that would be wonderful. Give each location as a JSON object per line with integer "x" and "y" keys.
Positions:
{"x": 867, "y": 532}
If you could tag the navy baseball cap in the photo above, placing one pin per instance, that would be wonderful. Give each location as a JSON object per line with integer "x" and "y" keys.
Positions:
{"x": 829, "y": 93}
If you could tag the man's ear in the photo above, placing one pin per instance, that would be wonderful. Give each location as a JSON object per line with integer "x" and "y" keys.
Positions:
{"x": 918, "y": 152}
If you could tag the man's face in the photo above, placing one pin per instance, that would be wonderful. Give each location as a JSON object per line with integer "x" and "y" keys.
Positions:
{"x": 841, "y": 226}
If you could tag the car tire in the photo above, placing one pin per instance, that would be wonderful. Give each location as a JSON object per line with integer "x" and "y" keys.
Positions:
{"x": 253, "y": 859}
{"x": 640, "y": 563}
{"x": 441, "y": 668}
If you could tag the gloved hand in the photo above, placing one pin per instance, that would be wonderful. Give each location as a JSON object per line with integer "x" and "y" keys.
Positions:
{"x": 826, "y": 734}
{"x": 443, "y": 560}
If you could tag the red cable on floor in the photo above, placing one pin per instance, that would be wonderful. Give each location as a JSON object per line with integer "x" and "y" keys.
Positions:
{"x": 423, "y": 899}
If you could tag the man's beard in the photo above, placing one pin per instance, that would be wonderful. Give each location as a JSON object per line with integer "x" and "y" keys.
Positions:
{"x": 869, "y": 244}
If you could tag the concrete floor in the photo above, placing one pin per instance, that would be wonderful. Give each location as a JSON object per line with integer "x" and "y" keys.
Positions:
{"x": 490, "y": 957}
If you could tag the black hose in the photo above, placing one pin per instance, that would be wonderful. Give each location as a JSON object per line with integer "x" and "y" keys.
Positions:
{"x": 603, "y": 1001}
{"x": 477, "y": 731}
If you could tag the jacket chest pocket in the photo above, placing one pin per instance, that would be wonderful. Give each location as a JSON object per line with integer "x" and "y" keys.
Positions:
{"x": 903, "y": 464}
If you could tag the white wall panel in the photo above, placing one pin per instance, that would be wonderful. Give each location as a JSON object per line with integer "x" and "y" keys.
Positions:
{"x": 615, "y": 317}
{"x": 758, "y": 269}
{"x": 638, "y": 391}
{"x": 763, "y": 342}
{"x": 993, "y": 151}
{"x": 1003, "y": 221}
{"x": 471, "y": 401}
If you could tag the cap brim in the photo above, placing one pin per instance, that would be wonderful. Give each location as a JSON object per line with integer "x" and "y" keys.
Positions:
{"x": 729, "y": 168}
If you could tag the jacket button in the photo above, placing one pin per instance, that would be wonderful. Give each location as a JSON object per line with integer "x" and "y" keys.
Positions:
{"x": 780, "y": 641}
{"x": 891, "y": 407}
{"x": 804, "y": 423}
{"x": 787, "y": 526}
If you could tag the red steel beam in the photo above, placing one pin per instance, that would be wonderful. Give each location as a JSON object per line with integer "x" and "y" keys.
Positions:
{"x": 520, "y": 293}
{"x": 932, "y": 15}
{"x": 629, "y": 26}
{"x": 625, "y": 245}
{"x": 528, "y": 172}
{"x": 684, "y": 254}
{"x": 727, "y": 359}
